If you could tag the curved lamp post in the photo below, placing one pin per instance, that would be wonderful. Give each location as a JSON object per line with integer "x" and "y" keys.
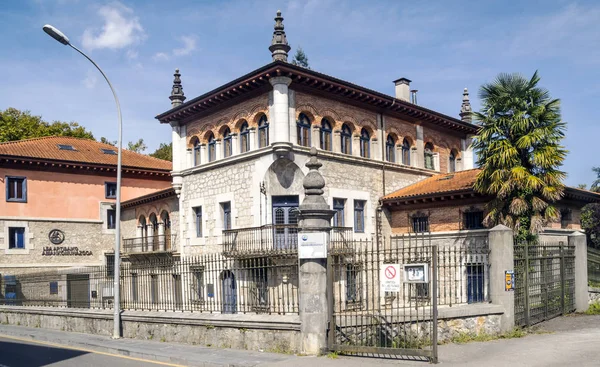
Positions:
{"x": 60, "y": 37}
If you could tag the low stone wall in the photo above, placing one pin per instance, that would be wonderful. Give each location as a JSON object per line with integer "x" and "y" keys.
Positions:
{"x": 594, "y": 294}
{"x": 269, "y": 333}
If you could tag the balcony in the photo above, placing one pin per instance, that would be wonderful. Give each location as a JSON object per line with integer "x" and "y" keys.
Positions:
{"x": 277, "y": 240}
{"x": 163, "y": 243}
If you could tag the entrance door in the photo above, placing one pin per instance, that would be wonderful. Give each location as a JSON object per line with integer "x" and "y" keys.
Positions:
{"x": 78, "y": 290}
{"x": 285, "y": 220}
{"x": 229, "y": 292}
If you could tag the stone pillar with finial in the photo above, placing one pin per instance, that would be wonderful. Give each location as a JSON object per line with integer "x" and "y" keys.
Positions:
{"x": 314, "y": 224}
{"x": 467, "y": 158}
{"x": 279, "y": 45}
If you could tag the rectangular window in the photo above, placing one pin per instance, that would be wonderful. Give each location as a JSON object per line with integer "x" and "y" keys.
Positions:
{"x": 226, "y": 209}
{"x": 110, "y": 265}
{"x": 421, "y": 291}
{"x": 359, "y": 216}
{"x": 16, "y": 238}
{"x": 16, "y": 189}
{"x": 198, "y": 283}
{"x": 198, "y": 213}
{"x": 420, "y": 224}
{"x": 111, "y": 218}
{"x": 154, "y": 289}
{"x": 134, "y": 287}
{"x": 338, "y": 217}
{"x": 473, "y": 220}
{"x": 475, "y": 280}
{"x": 352, "y": 276}
{"x": 53, "y": 288}
{"x": 177, "y": 291}
{"x": 110, "y": 190}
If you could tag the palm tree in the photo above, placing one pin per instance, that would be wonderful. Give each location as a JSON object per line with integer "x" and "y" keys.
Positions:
{"x": 519, "y": 151}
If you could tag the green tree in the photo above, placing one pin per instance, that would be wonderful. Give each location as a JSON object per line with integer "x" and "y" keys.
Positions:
{"x": 164, "y": 151}
{"x": 519, "y": 151}
{"x": 106, "y": 141}
{"x": 19, "y": 125}
{"x": 138, "y": 147}
{"x": 596, "y": 184}
{"x": 582, "y": 186}
{"x": 590, "y": 222}
{"x": 300, "y": 58}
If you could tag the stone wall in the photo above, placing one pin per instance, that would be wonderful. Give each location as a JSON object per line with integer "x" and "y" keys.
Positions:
{"x": 272, "y": 333}
{"x": 594, "y": 294}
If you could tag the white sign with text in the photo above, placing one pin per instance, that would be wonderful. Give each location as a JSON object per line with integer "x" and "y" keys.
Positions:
{"x": 390, "y": 278}
{"x": 312, "y": 245}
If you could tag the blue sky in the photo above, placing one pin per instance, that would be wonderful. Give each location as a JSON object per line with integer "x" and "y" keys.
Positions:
{"x": 441, "y": 46}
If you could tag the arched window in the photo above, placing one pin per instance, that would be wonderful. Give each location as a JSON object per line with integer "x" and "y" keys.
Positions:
{"x": 405, "y": 152}
{"x": 390, "y": 149}
{"x": 346, "y": 139}
{"x": 452, "y": 162}
{"x": 303, "y": 130}
{"x": 263, "y": 132}
{"x": 244, "y": 138}
{"x": 227, "y": 151}
{"x": 196, "y": 152}
{"x": 365, "y": 143}
{"x": 325, "y": 135}
{"x": 429, "y": 156}
{"x": 212, "y": 148}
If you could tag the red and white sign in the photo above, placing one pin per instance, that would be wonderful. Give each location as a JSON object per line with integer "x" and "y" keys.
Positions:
{"x": 390, "y": 278}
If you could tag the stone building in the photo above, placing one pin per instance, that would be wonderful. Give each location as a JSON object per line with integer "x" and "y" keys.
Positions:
{"x": 239, "y": 151}
{"x": 59, "y": 206}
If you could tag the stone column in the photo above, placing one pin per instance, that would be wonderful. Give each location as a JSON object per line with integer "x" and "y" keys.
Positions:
{"x": 235, "y": 144}
{"x": 336, "y": 141}
{"x": 176, "y": 139}
{"x": 292, "y": 116}
{"x": 203, "y": 154}
{"x": 218, "y": 149}
{"x": 356, "y": 145}
{"x": 139, "y": 240}
{"x": 436, "y": 161}
{"x": 150, "y": 241}
{"x": 414, "y": 157}
{"x": 578, "y": 240}
{"x": 467, "y": 153}
{"x": 314, "y": 216}
{"x": 161, "y": 236}
{"x": 502, "y": 259}
{"x": 279, "y": 119}
{"x": 375, "y": 150}
{"x": 315, "y": 138}
{"x": 189, "y": 158}
{"x": 420, "y": 155}
{"x": 253, "y": 138}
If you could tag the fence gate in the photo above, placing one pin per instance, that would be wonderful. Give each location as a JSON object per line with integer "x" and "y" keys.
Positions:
{"x": 544, "y": 281}
{"x": 366, "y": 319}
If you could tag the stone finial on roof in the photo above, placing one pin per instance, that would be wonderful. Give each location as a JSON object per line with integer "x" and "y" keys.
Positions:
{"x": 279, "y": 45}
{"x": 465, "y": 108}
{"x": 177, "y": 97}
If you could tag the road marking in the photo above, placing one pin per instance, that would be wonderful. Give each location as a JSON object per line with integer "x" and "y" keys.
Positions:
{"x": 89, "y": 351}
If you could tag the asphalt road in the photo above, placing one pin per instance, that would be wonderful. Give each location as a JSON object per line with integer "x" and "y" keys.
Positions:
{"x": 15, "y": 352}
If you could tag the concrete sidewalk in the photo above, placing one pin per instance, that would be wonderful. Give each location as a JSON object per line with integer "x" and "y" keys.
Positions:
{"x": 572, "y": 341}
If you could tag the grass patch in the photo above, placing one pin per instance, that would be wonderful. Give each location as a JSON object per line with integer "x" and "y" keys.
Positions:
{"x": 333, "y": 355}
{"x": 594, "y": 309}
{"x": 594, "y": 283}
{"x": 464, "y": 338}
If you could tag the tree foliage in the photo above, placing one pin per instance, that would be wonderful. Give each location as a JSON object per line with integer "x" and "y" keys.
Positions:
{"x": 300, "y": 58}
{"x": 596, "y": 184}
{"x": 519, "y": 151}
{"x": 164, "y": 151}
{"x": 590, "y": 222}
{"x": 106, "y": 141}
{"x": 138, "y": 147}
{"x": 19, "y": 125}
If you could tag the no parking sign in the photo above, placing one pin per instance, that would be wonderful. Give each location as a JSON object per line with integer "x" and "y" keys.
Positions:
{"x": 390, "y": 278}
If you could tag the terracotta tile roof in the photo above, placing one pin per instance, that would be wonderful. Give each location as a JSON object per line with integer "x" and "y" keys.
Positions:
{"x": 86, "y": 152}
{"x": 438, "y": 184}
{"x": 153, "y": 196}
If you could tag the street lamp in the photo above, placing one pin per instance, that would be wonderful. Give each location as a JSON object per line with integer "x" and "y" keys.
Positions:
{"x": 60, "y": 37}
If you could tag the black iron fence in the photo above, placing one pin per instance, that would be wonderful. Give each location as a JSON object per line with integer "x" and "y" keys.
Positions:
{"x": 593, "y": 259}
{"x": 544, "y": 281}
{"x": 162, "y": 242}
{"x": 207, "y": 283}
{"x": 275, "y": 239}
{"x": 463, "y": 266}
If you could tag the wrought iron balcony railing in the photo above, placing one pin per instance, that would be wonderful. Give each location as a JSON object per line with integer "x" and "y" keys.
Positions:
{"x": 276, "y": 239}
{"x": 158, "y": 243}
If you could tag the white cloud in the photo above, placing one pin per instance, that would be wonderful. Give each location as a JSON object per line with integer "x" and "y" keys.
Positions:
{"x": 189, "y": 45}
{"x": 160, "y": 56}
{"x": 90, "y": 80}
{"x": 121, "y": 29}
{"x": 132, "y": 54}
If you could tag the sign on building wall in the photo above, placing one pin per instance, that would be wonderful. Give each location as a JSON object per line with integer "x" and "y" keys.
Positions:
{"x": 312, "y": 245}
{"x": 509, "y": 285}
{"x": 390, "y": 278}
{"x": 416, "y": 273}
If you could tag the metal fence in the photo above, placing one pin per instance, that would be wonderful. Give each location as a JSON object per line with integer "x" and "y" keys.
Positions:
{"x": 593, "y": 258}
{"x": 207, "y": 283}
{"x": 544, "y": 281}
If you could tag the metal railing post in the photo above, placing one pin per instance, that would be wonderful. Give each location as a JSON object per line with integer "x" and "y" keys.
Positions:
{"x": 526, "y": 285}
{"x": 562, "y": 279}
{"x": 434, "y": 300}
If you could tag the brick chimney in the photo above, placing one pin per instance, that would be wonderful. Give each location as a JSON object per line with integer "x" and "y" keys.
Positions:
{"x": 403, "y": 89}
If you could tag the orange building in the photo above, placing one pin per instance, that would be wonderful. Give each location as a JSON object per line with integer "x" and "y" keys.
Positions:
{"x": 58, "y": 209}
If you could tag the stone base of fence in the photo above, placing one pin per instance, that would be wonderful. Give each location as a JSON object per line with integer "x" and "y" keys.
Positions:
{"x": 269, "y": 333}
{"x": 593, "y": 294}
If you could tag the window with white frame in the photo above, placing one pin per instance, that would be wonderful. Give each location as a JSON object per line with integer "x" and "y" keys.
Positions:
{"x": 226, "y": 211}
{"x": 16, "y": 238}
{"x": 16, "y": 189}
{"x": 338, "y": 206}
{"x": 198, "y": 220}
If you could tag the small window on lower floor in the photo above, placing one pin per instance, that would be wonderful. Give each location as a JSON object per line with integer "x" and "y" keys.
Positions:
{"x": 16, "y": 238}
{"x": 421, "y": 290}
{"x": 473, "y": 219}
{"x": 53, "y": 288}
{"x": 475, "y": 283}
{"x": 420, "y": 224}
